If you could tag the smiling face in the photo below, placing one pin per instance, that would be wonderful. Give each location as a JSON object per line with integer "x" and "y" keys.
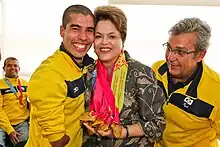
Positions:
{"x": 78, "y": 34}
{"x": 11, "y": 68}
{"x": 182, "y": 67}
{"x": 108, "y": 43}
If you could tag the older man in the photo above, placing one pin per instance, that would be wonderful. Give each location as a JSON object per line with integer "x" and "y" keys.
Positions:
{"x": 192, "y": 88}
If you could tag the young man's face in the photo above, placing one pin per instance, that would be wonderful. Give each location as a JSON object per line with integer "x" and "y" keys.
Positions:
{"x": 11, "y": 68}
{"x": 181, "y": 66}
{"x": 78, "y": 35}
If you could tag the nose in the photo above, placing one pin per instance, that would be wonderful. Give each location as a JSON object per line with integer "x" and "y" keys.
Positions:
{"x": 82, "y": 35}
{"x": 105, "y": 40}
{"x": 171, "y": 56}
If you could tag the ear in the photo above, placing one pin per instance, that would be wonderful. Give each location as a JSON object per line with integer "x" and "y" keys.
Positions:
{"x": 62, "y": 30}
{"x": 201, "y": 55}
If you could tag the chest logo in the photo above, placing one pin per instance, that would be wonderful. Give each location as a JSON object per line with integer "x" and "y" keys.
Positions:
{"x": 75, "y": 89}
{"x": 188, "y": 102}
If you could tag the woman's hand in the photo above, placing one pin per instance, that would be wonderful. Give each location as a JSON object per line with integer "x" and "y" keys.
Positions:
{"x": 90, "y": 130}
{"x": 109, "y": 133}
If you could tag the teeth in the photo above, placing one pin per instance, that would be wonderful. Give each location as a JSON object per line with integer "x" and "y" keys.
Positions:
{"x": 105, "y": 49}
{"x": 80, "y": 46}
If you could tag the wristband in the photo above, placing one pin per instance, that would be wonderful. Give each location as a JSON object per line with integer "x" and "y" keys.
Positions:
{"x": 127, "y": 134}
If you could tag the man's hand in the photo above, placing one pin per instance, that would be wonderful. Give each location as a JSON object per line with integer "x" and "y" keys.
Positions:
{"x": 14, "y": 137}
{"x": 61, "y": 142}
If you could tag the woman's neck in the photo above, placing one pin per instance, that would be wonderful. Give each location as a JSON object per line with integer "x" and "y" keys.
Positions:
{"x": 109, "y": 71}
{"x": 109, "y": 67}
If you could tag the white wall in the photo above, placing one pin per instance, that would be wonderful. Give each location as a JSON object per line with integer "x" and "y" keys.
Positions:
{"x": 168, "y": 2}
{"x": 148, "y": 27}
{"x": 1, "y": 31}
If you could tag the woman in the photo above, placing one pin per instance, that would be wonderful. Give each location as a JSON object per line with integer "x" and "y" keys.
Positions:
{"x": 122, "y": 96}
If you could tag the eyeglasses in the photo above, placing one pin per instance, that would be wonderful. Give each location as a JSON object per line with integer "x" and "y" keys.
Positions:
{"x": 179, "y": 51}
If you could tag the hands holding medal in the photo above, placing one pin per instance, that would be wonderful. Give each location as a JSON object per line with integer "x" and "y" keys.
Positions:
{"x": 100, "y": 128}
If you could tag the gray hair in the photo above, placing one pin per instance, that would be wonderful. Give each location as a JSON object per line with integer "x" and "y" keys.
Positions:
{"x": 189, "y": 25}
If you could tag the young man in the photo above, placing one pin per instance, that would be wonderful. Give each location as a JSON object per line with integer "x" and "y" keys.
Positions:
{"x": 13, "y": 105}
{"x": 56, "y": 88}
{"x": 192, "y": 88}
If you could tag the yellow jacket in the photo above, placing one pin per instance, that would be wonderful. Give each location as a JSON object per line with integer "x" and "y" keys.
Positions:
{"x": 56, "y": 92}
{"x": 11, "y": 111}
{"x": 192, "y": 112}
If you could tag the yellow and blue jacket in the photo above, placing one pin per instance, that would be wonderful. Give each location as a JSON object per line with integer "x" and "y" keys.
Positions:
{"x": 56, "y": 93}
{"x": 12, "y": 112}
{"x": 192, "y": 111}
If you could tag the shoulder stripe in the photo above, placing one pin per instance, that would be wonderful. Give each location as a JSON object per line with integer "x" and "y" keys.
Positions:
{"x": 191, "y": 105}
{"x": 75, "y": 87}
{"x": 163, "y": 68}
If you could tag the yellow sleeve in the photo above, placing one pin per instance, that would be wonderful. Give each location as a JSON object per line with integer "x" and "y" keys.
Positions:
{"x": 154, "y": 67}
{"x": 216, "y": 121}
{"x": 4, "y": 121}
{"x": 47, "y": 92}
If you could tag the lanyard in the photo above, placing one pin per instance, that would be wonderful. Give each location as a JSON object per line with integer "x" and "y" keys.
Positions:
{"x": 15, "y": 91}
{"x": 21, "y": 94}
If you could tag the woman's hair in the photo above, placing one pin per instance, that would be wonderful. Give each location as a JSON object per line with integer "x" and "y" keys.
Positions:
{"x": 115, "y": 15}
{"x": 190, "y": 25}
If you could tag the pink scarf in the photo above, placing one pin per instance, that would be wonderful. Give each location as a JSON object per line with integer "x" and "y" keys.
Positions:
{"x": 102, "y": 103}
{"x": 108, "y": 95}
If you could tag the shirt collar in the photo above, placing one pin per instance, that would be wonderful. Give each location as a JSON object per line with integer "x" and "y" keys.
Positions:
{"x": 86, "y": 59}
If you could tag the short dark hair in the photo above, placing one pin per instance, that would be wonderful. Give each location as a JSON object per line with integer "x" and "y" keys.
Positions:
{"x": 9, "y": 58}
{"x": 115, "y": 15}
{"x": 78, "y": 9}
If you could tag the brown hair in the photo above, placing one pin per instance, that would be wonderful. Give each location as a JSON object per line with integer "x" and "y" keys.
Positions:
{"x": 115, "y": 15}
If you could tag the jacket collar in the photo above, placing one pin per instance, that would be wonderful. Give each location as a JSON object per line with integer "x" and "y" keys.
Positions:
{"x": 86, "y": 60}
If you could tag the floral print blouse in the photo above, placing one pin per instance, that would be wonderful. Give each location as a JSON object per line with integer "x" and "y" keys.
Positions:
{"x": 143, "y": 102}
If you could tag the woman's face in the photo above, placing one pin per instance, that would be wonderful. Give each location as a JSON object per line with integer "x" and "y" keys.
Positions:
{"x": 108, "y": 43}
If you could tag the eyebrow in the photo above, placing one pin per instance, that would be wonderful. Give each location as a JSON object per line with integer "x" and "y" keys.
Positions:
{"x": 177, "y": 47}
{"x": 107, "y": 33}
{"x": 75, "y": 25}
{"x": 78, "y": 26}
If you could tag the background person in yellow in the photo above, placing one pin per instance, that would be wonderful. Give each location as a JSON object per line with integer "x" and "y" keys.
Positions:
{"x": 56, "y": 89}
{"x": 192, "y": 108}
{"x": 13, "y": 105}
